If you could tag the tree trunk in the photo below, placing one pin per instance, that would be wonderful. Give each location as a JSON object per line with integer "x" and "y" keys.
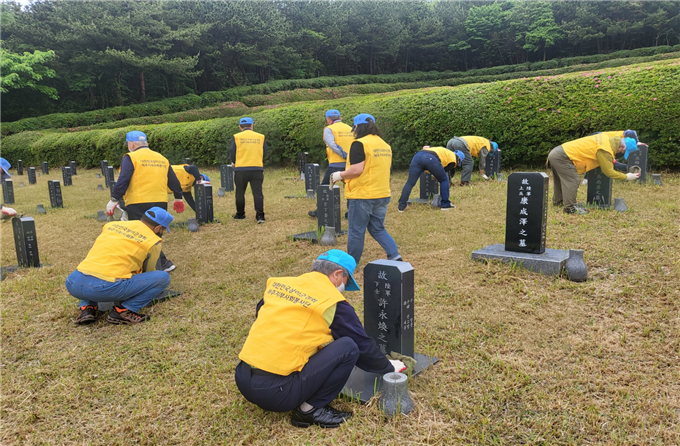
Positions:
{"x": 142, "y": 85}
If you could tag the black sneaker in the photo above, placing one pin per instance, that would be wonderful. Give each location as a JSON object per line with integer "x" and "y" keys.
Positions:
{"x": 123, "y": 316}
{"x": 260, "y": 220}
{"x": 312, "y": 214}
{"x": 238, "y": 217}
{"x": 87, "y": 315}
{"x": 576, "y": 210}
{"x": 448, "y": 208}
{"x": 168, "y": 266}
{"x": 326, "y": 417}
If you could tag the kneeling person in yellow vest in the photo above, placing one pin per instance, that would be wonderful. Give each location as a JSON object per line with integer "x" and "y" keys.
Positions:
{"x": 304, "y": 343}
{"x": 188, "y": 175}
{"x": 120, "y": 267}
{"x": 572, "y": 158}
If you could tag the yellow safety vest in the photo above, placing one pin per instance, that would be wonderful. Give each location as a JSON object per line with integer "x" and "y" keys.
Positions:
{"x": 119, "y": 251}
{"x": 477, "y": 143}
{"x": 186, "y": 180}
{"x": 445, "y": 155}
{"x": 344, "y": 137}
{"x": 290, "y": 326}
{"x": 149, "y": 182}
{"x": 374, "y": 181}
{"x": 583, "y": 151}
{"x": 249, "y": 149}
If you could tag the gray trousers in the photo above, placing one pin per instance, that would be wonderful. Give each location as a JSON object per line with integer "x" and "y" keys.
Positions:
{"x": 566, "y": 179}
{"x": 466, "y": 164}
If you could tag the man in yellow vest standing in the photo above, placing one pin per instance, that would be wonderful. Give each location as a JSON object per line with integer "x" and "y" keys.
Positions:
{"x": 304, "y": 343}
{"x": 472, "y": 146}
{"x": 367, "y": 188}
{"x": 145, "y": 177}
{"x": 579, "y": 156}
{"x": 121, "y": 267}
{"x": 248, "y": 150}
{"x": 338, "y": 137}
{"x": 188, "y": 175}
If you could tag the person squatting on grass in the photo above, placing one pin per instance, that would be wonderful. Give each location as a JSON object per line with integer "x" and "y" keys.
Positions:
{"x": 247, "y": 152}
{"x": 121, "y": 267}
{"x": 188, "y": 175}
{"x": 472, "y": 146}
{"x": 4, "y": 173}
{"x": 572, "y": 158}
{"x": 367, "y": 188}
{"x": 338, "y": 137}
{"x": 438, "y": 161}
{"x": 143, "y": 183}
{"x": 304, "y": 343}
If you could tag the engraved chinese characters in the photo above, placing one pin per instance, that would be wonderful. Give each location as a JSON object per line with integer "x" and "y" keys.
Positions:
{"x": 8, "y": 191}
{"x": 599, "y": 189}
{"x": 638, "y": 159}
{"x": 56, "y": 200}
{"x": 67, "y": 176}
{"x": 388, "y": 305}
{"x": 311, "y": 178}
{"x": 204, "y": 203}
{"x": 25, "y": 242}
{"x": 31, "y": 175}
{"x": 328, "y": 207}
{"x": 429, "y": 186}
{"x": 227, "y": 177}
{"x": 526, "y": 212}
{"x": 493, "y": 165}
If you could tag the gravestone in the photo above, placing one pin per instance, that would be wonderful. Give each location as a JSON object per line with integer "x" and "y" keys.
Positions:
{"x": 45, "y": 168}
{"x": 56, "y": 200}
{"x": 493, "y": 165}
{"x": 20, "y": 167}
{"x": 599, "y": 189}
{"x": 429, "y": 187}
{"x": 389, "y": 320}
{"x": 526, "y": 216}
{"x": 639, "y": 160}
{"x": 72, "y": 165}
{"x": 109, "y": 178}
{"x": 204, "y": 203}
{"x": 227, "y": 177}
{"x": 8, "y": 191}
{"x": 26, "y": 242}
{"x": 311, "y": 178}
{"x": 302, "y": 162}
{"x": 67, "y": 176}
{"x": 328, "y": 207}
{"x": 186, "y": 161}
{"x": 104, "y": 166}
{"x": 31, "y": 175}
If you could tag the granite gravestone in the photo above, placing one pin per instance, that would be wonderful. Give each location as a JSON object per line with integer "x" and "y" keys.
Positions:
{"x": 599, "y": 189}
{"x": 67, "y": 176}
{"x": 328, "y": 208}
{"x": 20, "y": 167}
{"x": 56, "y": 200}
{"x": 388, "y": 320}
{"x": 72, "y": 165}
{"x": 526, "y": 212}
{"x": 204, "y": 203}
{"x": 429, "y": 187}
{"x": 638, "y": 159}
{"x": 8, "y": 191}
{"x": 109, "y": 178}
{"x": 31, "y": 175}
{"x": 104, "y": 166}
{"x": 302, "y": 162}
{"x": 25, "y": 242}
{"x": 227, "y": 177}
{"x": 311, "y": 178}
{"x": 186, "y": 161}
{"x": 493, "y": 165}
{"x": 45, "y": 168}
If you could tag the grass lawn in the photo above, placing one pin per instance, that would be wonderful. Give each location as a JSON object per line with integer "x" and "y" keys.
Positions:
{"x": 525, "y": 358}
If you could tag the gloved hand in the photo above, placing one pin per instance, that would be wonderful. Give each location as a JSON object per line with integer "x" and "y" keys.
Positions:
{"x": 398, "y": 365}
{"x": 110, "y": 207}
{"x": 485, "y": 177}
{"x": 178, "y": 206}
{"x": 205, "y": 182}
{"x": 409, "y": 362}
{"x": 8, "y": 211}
{"x": 632, "y": 176}
{"x": 335, "y": 177}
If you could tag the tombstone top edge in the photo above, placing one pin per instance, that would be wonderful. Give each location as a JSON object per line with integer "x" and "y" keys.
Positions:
{"x": 543, "y": 174}
{"x": 402, "y": 266}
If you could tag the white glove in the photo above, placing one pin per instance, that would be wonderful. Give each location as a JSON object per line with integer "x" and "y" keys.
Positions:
{"x": 335, "y": 177}
{"x": 398, "y": 365}
{"x": 110, "y": 207}
{"x": 485, "y": 177}
{"x": 8, "y": 211}
{"x": 632, "y": 176}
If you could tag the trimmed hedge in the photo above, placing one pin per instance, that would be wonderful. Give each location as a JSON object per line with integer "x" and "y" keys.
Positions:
{"x": 189, "y": 102}
{"x": 527, "y": 117}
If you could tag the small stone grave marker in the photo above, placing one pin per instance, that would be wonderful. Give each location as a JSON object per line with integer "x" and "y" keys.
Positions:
{"x": 31, "y": 175}
{"x": 526, "y": 212}
{"x": 204, "y": 203}
{"x": 20, "y": 167}
{"x": 302, "y": 162}
{"x": 311, "y": 178}
{"x": 110, "y": 179}
{"x": 104, "y": 166}
{"x": 599, "y": 189}
{"x": 639, "y": 160}
{"x": 45, "y": 168}
{"x": 26, "y": 242}
{"x": 328, "y": 208}
{"x": 56, "y": 200}
{"x": 227, "y": 177}
{"x": 67, "y": 176}
{"x": 186, "y": 161}
{"x": 72, "y": 165}
{"x": 493, "y": 165}
{"x": 429, "y": 187}
{"x": 8, "y": 191}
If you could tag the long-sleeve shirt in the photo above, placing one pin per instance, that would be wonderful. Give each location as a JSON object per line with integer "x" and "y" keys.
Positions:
{"x": 126, "y": 171}
{"x": 329, "y": 139}
{"x": 607, "y": 165}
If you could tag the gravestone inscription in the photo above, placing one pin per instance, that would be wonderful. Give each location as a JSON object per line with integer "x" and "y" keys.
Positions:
{"x": 67, "y": 176}
{"x": 204, "y": 203}
{"x": 45, "y": 168}
{"x": 493, "y": 165}
{"x": 311, "y": 178}
{"x": 56, "y": 200}
{"x": 26, "y": 242}
{"x": 302, "y": 162}
{"x": 8, "y": 191}
{"x": 104, "y": 166}
{"x": 638, "y": 160}
{"x": 109, "y": 178}
{"x": 72, "y": 165}
{"x": 227, "y": 177}
{"x": 429, "y": 186}
{"x": 526, "y": 212}
{"x": 599, "y": 189}
{"x": 328, "y": 207}
{"x": 20, "y": 167}
{"x": 31, "y": 175}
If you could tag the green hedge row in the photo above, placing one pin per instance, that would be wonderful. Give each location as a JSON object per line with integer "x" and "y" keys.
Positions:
{"x": 527, "y": 117}
{"x": 189, "y": 102}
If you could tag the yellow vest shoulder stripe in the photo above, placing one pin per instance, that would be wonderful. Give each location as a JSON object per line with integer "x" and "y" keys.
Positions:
{"x": 374, "y": 181}
{"x": 249, "y": 149}
{"x": 149, "y": 182}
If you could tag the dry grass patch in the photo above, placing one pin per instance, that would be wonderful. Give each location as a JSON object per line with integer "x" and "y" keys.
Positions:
{"x": 526, "y": 359}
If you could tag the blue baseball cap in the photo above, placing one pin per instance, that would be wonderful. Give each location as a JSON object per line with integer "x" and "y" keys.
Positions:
{"x": 162, "y": 217}
{"x": 631, "y": 134}
{"x": 135, "y": 136}
{"x": 460, "y": 155}
{"x": 6, "y": 166}
{"x": 246, "y": 121}
{"x": 205, "y": 177}
{"x": 494, "y": 145}
{"x": 346, "y": 261}
{"x": 363, "y": 118}
{"x": 332, "y": 113}
{"x": 631, "y": 146}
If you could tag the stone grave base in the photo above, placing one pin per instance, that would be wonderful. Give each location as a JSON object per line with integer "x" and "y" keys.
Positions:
{"x": 550, "y": 262}
{"x": 296, "y": 196}
{"x": 363, "y": 385}
{"x": 311, "y": 236}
